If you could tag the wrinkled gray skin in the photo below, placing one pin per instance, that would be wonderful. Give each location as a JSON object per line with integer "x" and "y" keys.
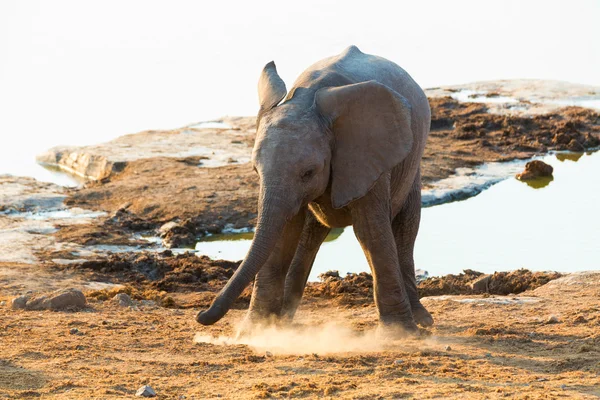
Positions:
{"x": 343, "y": 148}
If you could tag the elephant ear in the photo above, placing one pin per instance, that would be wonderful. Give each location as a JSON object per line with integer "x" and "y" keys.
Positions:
{"x": 271, "y": 88}
{"x": 371, "y": 124}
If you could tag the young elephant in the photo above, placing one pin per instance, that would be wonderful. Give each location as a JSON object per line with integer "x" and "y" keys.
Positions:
{"x": 343, "y": 148}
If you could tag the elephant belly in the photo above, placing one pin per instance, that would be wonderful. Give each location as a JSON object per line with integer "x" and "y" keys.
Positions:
{"x": 329, "y": 216}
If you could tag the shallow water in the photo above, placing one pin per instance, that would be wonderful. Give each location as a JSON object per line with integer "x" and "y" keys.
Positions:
{"x": 547, "y": 225}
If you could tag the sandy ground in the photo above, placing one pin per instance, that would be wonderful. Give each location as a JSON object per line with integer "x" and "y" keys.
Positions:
{"x": 477, "y": 349}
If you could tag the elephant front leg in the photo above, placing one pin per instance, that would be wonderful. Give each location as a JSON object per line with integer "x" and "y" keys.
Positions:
{"x": 268, "y": 289}
{"x": 313, "y": 235}
{"x": 406, "y": 228}
{"x": 371, "y": 218}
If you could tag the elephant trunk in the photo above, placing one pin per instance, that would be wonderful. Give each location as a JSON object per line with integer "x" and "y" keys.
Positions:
{"x": 271, "y": 222}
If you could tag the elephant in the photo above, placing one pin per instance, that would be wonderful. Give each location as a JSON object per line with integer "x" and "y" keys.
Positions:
{"x": 342, "y": 148}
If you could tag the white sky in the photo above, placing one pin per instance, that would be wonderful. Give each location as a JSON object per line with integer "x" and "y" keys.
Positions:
{"x": 75, "y": 72}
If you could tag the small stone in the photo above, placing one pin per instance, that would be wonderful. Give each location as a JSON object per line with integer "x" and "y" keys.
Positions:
{"x": 58, "y": 300}
{"x": 167, "y": 227}
{"x": 580, "y": 319}
{"x": 74, "y": 331}
{"x": 488, "y": 355}
{"x": 268, "y": 354}
{"x": 553, "y": 319}
{"x": 18, "y": 303}
{"x": 535, "y": 169}
{"x": 2, "y": 303}
{"x": 145, "y": 391}
{"x": 123, "y": 300}
{"x": 563, "y": 387}
{"x": 398, "y": 362}
{"x": 541, "y": 379}
{"x": 447, "y": 348}
{"x": 175, "y": 235}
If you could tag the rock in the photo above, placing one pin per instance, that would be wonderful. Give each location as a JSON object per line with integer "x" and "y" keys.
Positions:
{"x": 58, "y": 300}
{"x": 480, "y": 284}
{"x": 18, "y": 303}
{"x": 488, "y": 355}
{"x": 535, "y": 169}
{"x": 553, "y": 319}
{"x": 2, "y": 303}
{"x": 167, "y": 227}
{"x": 75, "y": 331}
{"x": 398, "y": 362}
{"x": 575, "y": 146}
{"x": 175, "y": 235}
{"x": 145, "y": 391}
{"x": 268, "y": 354}
{"x": 123, "y": 300}
{"x": 447, "y": 348}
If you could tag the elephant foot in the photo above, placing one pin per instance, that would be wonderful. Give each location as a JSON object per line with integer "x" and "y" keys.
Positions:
{"x": 397, "y": 329}
{"x": 422, "y": 316}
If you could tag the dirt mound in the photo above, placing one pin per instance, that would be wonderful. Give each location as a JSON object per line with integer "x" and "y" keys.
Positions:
{"x": 574, "y": 128}
{"x": 163, "y": 271}
{"x": 356, "y": 289}
{"x": 466, "y": 135}
{"x": 501, "y": 283}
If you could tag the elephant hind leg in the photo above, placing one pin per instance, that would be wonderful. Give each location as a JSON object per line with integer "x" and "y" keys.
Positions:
{"x": 313, "y": 235}
{"x": 406, "y": 228}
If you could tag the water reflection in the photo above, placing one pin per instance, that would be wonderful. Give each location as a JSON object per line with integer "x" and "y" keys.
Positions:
{"x": 569, "y": 156}
{"x": 56, "y": 175}
{"x": 506, "y": 227}
{"x": 538, "y": 183}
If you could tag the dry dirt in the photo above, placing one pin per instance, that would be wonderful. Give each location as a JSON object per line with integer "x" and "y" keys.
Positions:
{"x": 478, "y": 348}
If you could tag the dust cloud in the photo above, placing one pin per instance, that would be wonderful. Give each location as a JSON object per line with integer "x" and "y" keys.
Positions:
{"x": 329, "y": 338}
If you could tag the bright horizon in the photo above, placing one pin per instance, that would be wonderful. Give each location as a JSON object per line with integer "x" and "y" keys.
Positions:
{"x": 79, "y": 73}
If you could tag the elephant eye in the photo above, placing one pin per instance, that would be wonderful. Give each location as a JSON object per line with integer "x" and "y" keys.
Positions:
{"x": 308, "y": 174}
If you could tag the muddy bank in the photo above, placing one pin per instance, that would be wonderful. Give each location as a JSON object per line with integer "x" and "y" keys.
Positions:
{"x": 189, "y": 273}
{"x": 354, "y": 289}
{"x": 166, "y": 187}
{"x": 161, "y": 179}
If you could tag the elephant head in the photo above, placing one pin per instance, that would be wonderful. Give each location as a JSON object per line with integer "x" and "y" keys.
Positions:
{"x": 344, "y": 139}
